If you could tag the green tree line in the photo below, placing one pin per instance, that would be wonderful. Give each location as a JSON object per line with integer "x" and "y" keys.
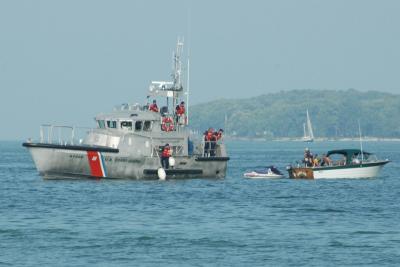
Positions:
{"x": 334, "y": 113}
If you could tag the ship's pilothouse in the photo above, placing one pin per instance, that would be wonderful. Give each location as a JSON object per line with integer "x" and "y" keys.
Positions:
{"x": 133, "y": 125}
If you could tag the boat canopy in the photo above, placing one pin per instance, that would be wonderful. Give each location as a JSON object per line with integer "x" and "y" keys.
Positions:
{"x": 348, "y": 153}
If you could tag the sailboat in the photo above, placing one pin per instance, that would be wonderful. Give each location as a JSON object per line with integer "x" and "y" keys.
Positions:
{"x": 308, "y": 131}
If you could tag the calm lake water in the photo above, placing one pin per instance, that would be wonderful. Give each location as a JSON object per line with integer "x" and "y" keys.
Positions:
{"x": 223, "y": 222}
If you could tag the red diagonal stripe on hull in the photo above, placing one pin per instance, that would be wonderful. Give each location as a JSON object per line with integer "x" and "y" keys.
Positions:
{"x": 95, "y": 163}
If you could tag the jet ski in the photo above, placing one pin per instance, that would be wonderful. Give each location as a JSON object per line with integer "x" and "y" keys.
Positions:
{"x": 268, "y": 172}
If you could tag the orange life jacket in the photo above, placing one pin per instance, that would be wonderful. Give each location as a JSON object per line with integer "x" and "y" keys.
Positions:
{"x": 166, "y": 152}
{"x": 180, "y": 110}
{"x": 209, "y": 136}
{"x": 153, "y": 107}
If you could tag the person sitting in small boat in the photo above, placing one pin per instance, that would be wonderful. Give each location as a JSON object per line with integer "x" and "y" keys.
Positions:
{"x": 355, "y": 159}
{"x": 343, "y": 161}
{"x": 316, "y": 161}
{"x": 308, "y": 158}
{"x": 153, "y": 107}
{"x": 326, "y": 160}
{"x": 165, "y": 155}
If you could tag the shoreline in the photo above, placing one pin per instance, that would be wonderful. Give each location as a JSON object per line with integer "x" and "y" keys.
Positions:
{"x": 287, "y": 139}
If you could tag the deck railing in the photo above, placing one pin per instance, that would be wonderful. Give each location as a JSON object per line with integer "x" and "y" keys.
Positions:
{"x": 211, "y": 148}
{"x": 63, "y": 134}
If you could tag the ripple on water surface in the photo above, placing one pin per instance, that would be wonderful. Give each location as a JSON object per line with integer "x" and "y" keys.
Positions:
{"x": 232, "y": 221}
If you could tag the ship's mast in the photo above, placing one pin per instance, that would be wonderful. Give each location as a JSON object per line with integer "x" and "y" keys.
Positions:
{"x": 178, "y": 66}
{"x": 172, "y": 90}
{"x": 177, "y": 73}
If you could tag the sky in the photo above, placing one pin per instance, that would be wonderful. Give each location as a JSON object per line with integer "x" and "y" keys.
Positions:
{"x": 66, "y": 61}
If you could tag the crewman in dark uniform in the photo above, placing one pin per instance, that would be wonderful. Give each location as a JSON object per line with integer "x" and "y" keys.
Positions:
{"x": 213, "y": 144}
{"x": 219, "y": 134}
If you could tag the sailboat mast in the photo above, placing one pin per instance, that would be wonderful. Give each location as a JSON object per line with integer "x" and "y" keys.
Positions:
{"x": 310, "y": 130}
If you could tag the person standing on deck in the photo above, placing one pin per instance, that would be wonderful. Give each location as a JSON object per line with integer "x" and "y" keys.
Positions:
{"x": 208, "y": 137}
{"x": 180, "y": 113}
{"x": 219, "y": 134}
{"x": 213, "y": 144}
{"x": 206, "y": 144}
{"x": 153, "y": 107}
{"x": 165, "y": 155}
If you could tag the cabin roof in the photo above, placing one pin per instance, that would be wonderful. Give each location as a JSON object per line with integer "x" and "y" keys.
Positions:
{"x": 349, "y": 153}
{"x": 130, "y": 115}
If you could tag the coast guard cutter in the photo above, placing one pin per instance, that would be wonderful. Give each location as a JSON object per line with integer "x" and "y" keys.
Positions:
{"x": 127, "y": 142}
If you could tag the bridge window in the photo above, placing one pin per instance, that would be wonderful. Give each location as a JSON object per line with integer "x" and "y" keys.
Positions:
{"x": 112, "y": 124}
{"x": 138, "y": 125}
{"x": 126, "y": 125}
{"x": 147, "y": 126}
{"x": 101, "y": 124}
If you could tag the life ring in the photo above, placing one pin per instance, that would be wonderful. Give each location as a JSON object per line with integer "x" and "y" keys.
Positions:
{"x": 167, "y": 124}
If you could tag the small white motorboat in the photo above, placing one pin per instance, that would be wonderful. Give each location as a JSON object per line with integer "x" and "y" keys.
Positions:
{"x": 268, "y": 172}
{"x": 354, "y": 163}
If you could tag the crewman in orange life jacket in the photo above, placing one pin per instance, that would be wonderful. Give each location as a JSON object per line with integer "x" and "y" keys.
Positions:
{"x": 180, "y": 112}
{"x": 165, "y": 155}
{"x": 154, "y": 107}
{"x": 208, "y": 136}
{"x": 213, "y": 143}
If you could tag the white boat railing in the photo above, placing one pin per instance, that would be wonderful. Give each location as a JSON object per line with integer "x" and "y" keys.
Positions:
{"x": 156, "y": 150}
{"x": 62, "y": 134}
{"x": 211, "y": 148}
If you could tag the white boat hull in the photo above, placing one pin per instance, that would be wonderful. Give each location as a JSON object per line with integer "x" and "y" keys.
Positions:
{"x": 366, "y": 170}
{"x": 256, "y": 175}
{"x": 58, "y": 161}
{"x": 360, "y": 172}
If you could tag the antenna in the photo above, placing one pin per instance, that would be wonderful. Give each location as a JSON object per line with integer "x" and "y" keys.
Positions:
{"x": 361, "y": 147}
{"x": 187, "y": 92}
{"x": 177, "y": 73}
{"x": 188, "y": 64}
{"x": 178, "y": 65}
